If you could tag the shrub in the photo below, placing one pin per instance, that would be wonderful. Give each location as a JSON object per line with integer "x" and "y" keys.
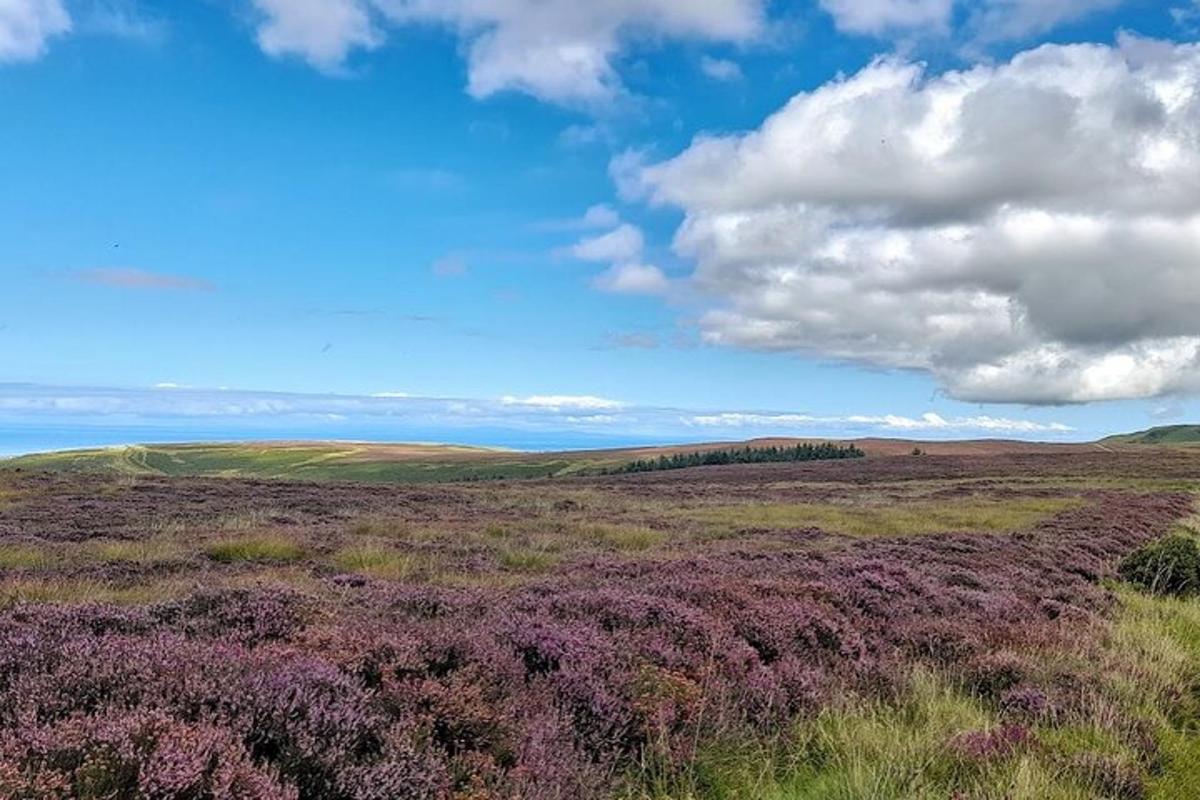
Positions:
{"x": 1169, "y": 566}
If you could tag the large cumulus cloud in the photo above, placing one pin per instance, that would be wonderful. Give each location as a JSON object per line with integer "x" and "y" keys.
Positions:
{"x": 1026, "y": 232}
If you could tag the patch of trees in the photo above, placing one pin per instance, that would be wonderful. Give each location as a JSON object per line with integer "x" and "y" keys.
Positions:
{"x": 823, "y": 451}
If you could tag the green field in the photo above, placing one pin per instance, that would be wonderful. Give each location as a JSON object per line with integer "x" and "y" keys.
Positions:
{"x": 354, "y": 461}
{"x": 314, "y": 461}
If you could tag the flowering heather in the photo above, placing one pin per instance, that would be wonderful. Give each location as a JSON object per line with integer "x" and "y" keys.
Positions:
{"x": 551, "y": 687}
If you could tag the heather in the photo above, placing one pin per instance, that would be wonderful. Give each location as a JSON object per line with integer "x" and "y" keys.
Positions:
{"x": 592, "y": 638}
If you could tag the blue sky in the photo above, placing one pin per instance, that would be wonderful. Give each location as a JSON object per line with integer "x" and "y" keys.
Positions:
{"x": 838, "y": 217}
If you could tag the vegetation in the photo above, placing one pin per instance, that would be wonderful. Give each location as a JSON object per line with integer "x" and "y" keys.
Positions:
{"x": 1170, "y": 566}
{"x": 376, "y": 463}
{"x": 314, "y": 461}
{"x": 1126, "y": 734}
{"x": 377, "y": 561}
{"x": 254, "y": 548}
{"x": 1166, "y": 434}
{"x": 592, "y": 639}
{"x": 889, "y": 519}
{"x": 823, "y": 451}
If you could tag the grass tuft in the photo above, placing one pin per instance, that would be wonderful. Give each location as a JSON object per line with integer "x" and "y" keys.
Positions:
{"x": 145, "y": 551}
{"x": 20, "y": 556}
{"x": 254, "y": 548}
{"x": 528, "y": 559}
{"x": 627, "y": 538}
{"x": 377, "y": 561}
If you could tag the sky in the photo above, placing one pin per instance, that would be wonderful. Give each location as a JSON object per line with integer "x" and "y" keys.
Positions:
{"x": 557, "y": 223}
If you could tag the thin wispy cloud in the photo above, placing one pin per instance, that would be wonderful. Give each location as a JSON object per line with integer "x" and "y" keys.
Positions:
{"x": 122, "y": 19}
{"x": 131, "y": 278}
{"x": 451, "y": 266}
{"x": 721, "y": 69}
{"x": 405, "y": 414}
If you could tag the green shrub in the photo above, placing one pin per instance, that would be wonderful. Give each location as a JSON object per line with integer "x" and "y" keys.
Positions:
{"x": 1169, "y": 566}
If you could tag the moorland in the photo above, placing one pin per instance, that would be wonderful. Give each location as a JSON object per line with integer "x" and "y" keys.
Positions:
{"x": 952, "y": 624}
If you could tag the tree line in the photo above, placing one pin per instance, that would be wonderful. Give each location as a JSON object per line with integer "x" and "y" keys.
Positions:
{"x": 823, "y": 451}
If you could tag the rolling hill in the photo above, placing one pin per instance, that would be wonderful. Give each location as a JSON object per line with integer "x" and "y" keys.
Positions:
{"x": 1166, "y": 434}
{"x": 416, "y": 463}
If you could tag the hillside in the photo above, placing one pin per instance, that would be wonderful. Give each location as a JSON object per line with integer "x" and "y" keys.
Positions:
{"x": 417, "y": 463}
{"x": 1166, "y": 434}
{"x": 310, "y": 460}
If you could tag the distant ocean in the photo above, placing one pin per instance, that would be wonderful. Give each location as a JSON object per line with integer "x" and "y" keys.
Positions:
{"x": 20, "y": 439}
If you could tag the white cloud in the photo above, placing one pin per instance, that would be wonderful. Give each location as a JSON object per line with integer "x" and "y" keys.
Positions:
{"x": 1025, "y": 232}
{"x": 720, "y": 69}
{"x": 1001, "y": 20}
{"x": 395, "y": 415}
{"x": 322, "y": 32}
{"x": 26, "y": 26}
{"x": 632, "y": 278}
{"x": 563, "y": 50}
{"x": 981, "y": 20}
{"x": 600, "y": 216}
{"x": 620, "y": 244}
{"x": 929, "y": 421}
{"x": 558, "y": 402}
{"x": 1187, "y": 16}
{"x": 622, "y": 247}
{"x": 120, "y": 19}
{"x": 877, "y": 17}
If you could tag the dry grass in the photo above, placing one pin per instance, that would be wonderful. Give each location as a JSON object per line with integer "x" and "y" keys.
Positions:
{"x": 898, "y": 519}
{"x": 23, "y": 556}
{"x": 626, "y": 538}
{"x": 140, "y": 551}
{"x": 80, "y": 591}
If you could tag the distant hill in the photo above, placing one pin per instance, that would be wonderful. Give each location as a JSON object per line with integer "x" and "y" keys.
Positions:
{"x": 418, "y": 463}
{"x": 1166, "y": 434}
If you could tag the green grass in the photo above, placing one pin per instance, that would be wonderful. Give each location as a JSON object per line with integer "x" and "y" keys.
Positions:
{"x": 20, "y": 556}
{"x": 377, "y": 561}
{"x": 315, "y": 461}
{"x": 85, "y": 590}
{"x": 895, "y": 519}
{"x": 626, "y": 538}
{"x": 1144, "y": 677}
{"x": 141, "y": 551}
{"x": 1165, "y": 434}
{"x": 528, "y": 559}
{"x": 254, "y": 549}
{"x": 876, "y": 751}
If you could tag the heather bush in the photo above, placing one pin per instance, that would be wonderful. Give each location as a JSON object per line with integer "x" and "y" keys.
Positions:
{"x": 559, "y": 687}
{"x": 1169, "y": 566}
